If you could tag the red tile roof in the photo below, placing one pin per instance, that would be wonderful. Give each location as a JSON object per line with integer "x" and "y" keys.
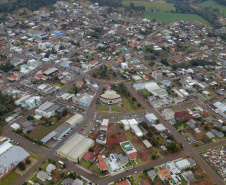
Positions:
{"x": 39, "y": 75}
{"x": 125, "y": 182}
{"x": 80, "y": 84}
{"x": 14, "y": 77}
{"x": 46, "y": 68}
{"x": 133, "y": 155}
{"x": 101, "y": 164}
{"x": 145, "y": 182}
{"x": 88, "y": 156}
{"x": 107, "y": 87}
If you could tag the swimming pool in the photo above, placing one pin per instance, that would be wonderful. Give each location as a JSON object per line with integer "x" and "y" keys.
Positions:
{"x": 127, "y": 146}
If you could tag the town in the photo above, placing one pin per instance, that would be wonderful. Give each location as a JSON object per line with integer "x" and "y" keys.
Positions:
{"x": 90, "y": 96}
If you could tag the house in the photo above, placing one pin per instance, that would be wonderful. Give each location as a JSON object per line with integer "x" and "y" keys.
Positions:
{"x": 164, "y": 174}
{"x": 189, "y": 176}
{"x": 144, "y": 182}
{"x": 101, "y": 164}
{"x": 50, "y": 168}
{"x": 79, "y": 84}
{"x": 191, "y": 139}
{"x": 125, "y": 182}
{"x": 77, "y": 182}
{"x": 151, "y": 118}
{"x": 47, "y": 109}
{"x": 68, "y": 181}
{"x": 89, "y": 156}
{"x": 156, "y": 75}
{"x": 168, "y": 114}
{"x": 43, "y": 176}
{"x": 135, "y": 129}
{"x": 152, "y": 174}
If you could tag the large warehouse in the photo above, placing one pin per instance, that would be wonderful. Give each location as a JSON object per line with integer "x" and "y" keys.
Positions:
{"x": 75, "y": 147}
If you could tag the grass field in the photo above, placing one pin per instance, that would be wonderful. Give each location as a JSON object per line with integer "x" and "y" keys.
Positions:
{"x": 86, "y": 164}
{"x": 171, "y": 17}
{"x": 213, "y": 4}
{"x": 163, "y": 12}
{"x": 161, "y": 6}
{"x": 10, "y": 179}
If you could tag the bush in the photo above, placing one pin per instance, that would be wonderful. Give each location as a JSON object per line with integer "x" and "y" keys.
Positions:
{"x": 112, "y": 135}
{"x": 121, "y": 125}
{"x": 153, "y": 156}
{"x": 30, "y": 117}
{"x": 28, "y": 161}
{"x": 22, "y": 166}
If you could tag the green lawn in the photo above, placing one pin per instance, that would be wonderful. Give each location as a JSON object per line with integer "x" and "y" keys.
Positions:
{"x": 102, "y": 108}
{"x": 171, "y": 17}
{"x": 183, "y": 181}
{"x": 97, "y": 171}
{"x": 10, "y": 179}
{"x": 86, "y": 164}
{"x": 116, "y": 108}
{"x": 129, "y": 135}
{"x": 213, "y": 4}
{"x": 35, "y": 156}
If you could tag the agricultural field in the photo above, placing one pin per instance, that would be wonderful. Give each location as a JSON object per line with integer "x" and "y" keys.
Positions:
{"x": 213, "y": 4}
{"x": 162, "y": 12}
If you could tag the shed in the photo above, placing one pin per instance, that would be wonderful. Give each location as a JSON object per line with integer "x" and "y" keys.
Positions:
{"x": 147, "y": 143}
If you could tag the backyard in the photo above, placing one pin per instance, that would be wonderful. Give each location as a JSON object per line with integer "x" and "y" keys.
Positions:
{"x": 10, "y": 179}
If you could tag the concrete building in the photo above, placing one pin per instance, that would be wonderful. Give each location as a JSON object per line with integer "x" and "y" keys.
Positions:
{"x": 167, "y": 114}
{"x": 110, "y": 97}
{"x": 10, "y": 156}
{"x": 104, "y": 125}
{"x": 28, "y": 101}
{"x": 47, "y": 109}
{"x": 220, "y": 106}
{"x": 75, "y": 147}
{"x": 182, "y": 164}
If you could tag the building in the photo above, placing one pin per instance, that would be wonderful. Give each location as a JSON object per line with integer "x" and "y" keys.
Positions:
{"x": 125, "y": 182}
{"x": 167, "y": 114}
{"x": 182, "y": 164}
{"x": 101, "y": 164}
{"x": 110, "y": 97}
{"x": 104, "y": 125}
{"x": 156, "y": 74}
{"x": 101, "y": 139}
{"x": 43, "y": 176}
{"x": 220, "y": 106}
{"x": 152, "y": 174}
{"x": 47, "y": 109}
{"x": 147, "y": 143}
{"x": 129, "y": 149}
{"x": 171, "y": 166}
{"x": 136, "y": 130}
{"x": 10, "y": 156}
{"x": 50, "y": 71}
{"x": 164, "y": 174}
{"x": 89, "y": 156}
{"x": 160, "y": 127}
{"x": 151, "y": 118}
{"x": 75, "y": 147}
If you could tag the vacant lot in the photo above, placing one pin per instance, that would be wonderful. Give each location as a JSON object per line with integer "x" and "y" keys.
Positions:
{"x": 118, "y": 135}
{"x": 41, "y": 130}
{"x": 171, "y": 17}
{"x": 206, "y": 181}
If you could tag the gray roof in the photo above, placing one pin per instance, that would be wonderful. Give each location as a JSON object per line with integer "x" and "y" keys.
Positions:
{"x": 123, "y": 159}
{"x": 191, "y": 161}
{"x": 67, "y": 181}
{"x": 152, "y": 174}
{"x": 48, "y": 137}
{"x": 189, "y": 176}
{"x": 10, "y": 159}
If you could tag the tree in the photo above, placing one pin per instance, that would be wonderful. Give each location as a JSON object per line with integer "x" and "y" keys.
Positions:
{"x": 28, "y": 161}
{"x": 64, "y": 113}
{"x": 112, "y": 135}
{"x": 25, "y": 183}
{"x": 22, "y": 166}
{"x": 146, "y": 95}
{"x": 114, "y": 74}
{"x": 121, "y": 125}
{"x": 30, "y": 117}
{"x": 39, "y": 169}
{"x": 153, "y": 156}
{"x": 139, "y": 104}
{"x": 134, "y": 99}
{"x": 155, "y": 142}
{"x": 91, "y": 150}
{"x": 58, "y": 117}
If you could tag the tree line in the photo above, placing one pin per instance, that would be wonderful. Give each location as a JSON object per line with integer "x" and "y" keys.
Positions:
{"x": 115, "y": 3}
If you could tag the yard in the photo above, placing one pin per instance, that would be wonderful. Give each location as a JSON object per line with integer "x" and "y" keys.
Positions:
{"x": 41, "y": 130}
{"x": 130, "y": 105}
{"x": 10, "y": 179}
{"x": 86, "y": 164}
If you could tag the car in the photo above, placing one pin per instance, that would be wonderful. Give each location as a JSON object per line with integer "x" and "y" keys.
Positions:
{"x": 94, "y": 128}
{"x": 135, "y": 172}
{"x": 81, "y": 129}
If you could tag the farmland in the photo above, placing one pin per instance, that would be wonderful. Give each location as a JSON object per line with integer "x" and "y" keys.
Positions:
{"x": 163, "y": 12}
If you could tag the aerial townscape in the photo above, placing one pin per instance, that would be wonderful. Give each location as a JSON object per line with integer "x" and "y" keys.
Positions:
{"x": 113, "y": 92}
